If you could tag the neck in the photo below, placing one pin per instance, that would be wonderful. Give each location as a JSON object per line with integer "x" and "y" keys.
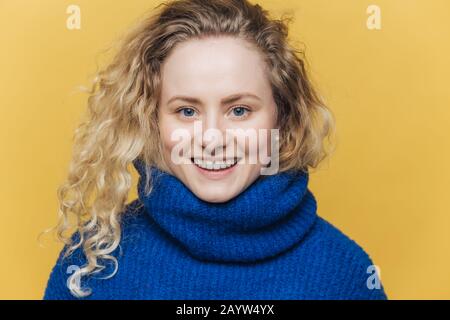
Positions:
{"x": 269, "y": 217}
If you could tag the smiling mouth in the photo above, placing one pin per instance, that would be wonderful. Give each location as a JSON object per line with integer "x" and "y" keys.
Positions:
{"x": 217, "y": 165}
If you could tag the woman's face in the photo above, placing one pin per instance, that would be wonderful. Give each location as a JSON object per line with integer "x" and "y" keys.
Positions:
{"x": 210, "y": 87}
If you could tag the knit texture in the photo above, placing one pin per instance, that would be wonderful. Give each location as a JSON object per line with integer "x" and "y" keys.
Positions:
{"x": 266, "y": 243}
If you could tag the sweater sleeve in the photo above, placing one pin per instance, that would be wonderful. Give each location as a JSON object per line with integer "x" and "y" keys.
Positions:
{"x": 365, "y": 283}
{"x": 57, "y": 288}
{"x": 354, "y": 275}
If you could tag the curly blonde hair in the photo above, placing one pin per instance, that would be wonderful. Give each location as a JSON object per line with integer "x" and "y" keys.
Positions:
{"x": 121, "y": 120}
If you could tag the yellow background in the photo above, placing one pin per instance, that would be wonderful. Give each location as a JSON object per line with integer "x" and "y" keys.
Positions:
{"x": 387, "y": 185}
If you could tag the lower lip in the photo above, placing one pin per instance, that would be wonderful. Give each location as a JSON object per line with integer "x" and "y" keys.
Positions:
{"x": 216, "y": 174}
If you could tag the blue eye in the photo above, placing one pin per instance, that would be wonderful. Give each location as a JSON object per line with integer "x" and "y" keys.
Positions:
{"x": 187, "y": 112}
{"x": 239, "y": 111}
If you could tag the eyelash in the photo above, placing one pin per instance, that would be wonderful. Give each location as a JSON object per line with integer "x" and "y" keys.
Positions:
{"x": 236, "y": 107}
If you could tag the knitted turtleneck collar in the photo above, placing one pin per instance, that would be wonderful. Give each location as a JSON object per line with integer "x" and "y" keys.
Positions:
{"x": 269, "y": 217}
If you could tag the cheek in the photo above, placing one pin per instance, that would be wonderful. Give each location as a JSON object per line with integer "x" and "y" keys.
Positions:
{"x": 260, "y": 146}
{"x": 269, "y": 123}
{"x": 166, "y": 130}
{"x": 266, "y": 118}
{"x": 175, "y": 138}
{"x": 265, "y": 124}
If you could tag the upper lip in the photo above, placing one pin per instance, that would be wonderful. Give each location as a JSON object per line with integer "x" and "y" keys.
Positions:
{"x": 215, "y": 160}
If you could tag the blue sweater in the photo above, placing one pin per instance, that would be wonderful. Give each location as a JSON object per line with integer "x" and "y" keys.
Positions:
{"x": 266, "y": 243}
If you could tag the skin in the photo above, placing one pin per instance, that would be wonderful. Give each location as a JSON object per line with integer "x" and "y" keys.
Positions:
{"x": 210, "y": 70}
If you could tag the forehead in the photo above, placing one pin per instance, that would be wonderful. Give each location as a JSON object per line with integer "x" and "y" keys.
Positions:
{"x": 213, "y": 66}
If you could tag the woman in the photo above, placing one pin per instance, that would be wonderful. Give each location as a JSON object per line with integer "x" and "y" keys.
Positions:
{"x": 216, "y": 217}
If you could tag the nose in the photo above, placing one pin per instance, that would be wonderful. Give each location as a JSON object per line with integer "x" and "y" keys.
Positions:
{"x": 212, "y": 120}
{"x": 211, "y": 139}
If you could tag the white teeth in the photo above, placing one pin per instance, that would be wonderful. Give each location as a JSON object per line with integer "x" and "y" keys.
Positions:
{"x": 216, "y": 165}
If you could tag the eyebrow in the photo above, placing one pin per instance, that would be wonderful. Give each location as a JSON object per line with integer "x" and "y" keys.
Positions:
{"x": 230, "y": 99}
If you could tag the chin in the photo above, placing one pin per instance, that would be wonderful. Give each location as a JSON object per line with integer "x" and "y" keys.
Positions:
{"x": 217, "y": 190}
{"x": 218, "y": 195}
